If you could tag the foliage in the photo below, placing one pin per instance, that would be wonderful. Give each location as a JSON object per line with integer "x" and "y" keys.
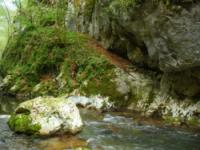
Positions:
{"x": 7, "y": 11}
{"x": 43, "y": 51}
{"x": 124, "y": 4}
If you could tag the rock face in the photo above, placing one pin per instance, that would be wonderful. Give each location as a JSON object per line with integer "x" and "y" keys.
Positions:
{"x": 145, "y": 96}
{"x": 162, "y": 36}
{"x": 170, "y": 35}
{"x": 155, "y": 35}
{"x": 46, "y": 116}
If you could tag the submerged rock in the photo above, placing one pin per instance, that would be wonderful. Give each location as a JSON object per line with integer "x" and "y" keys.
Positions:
{"x": 63, "y": 142}
{"x": 46, "y": 116}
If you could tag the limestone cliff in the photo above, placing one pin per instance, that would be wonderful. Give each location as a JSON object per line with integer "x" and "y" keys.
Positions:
{"x": 157, "y": 35}
{"x": 161, "y": 36}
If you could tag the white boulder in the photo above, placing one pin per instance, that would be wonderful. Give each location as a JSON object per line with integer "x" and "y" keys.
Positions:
{"x": 53, "y": 115}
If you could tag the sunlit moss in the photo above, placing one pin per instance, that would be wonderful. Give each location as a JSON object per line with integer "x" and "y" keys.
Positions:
{"x": 22, "y": 123}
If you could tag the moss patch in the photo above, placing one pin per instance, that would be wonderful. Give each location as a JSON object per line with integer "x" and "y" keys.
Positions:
{"x": 172, "y": 120}
{"x": 22, "y": 123}
{"x": 193, "y": 121}
{"x": 105, "y": 85}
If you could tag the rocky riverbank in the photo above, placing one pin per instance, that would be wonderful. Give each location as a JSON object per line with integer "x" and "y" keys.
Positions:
{"x": 148, "y": 60}
{"x": 110, "y": 130}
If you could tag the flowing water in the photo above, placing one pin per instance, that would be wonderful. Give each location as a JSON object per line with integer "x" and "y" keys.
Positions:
{"x": 107, "y": 131}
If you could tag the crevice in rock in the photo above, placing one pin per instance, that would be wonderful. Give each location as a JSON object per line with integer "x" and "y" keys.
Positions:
{"x": 119, "y": 52}
{"x": 23, "y": 111}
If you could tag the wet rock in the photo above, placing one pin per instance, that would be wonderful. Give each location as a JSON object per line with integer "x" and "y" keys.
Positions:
{"x": 183, "y": 84}
{"x": 8, "y": 85}
{"x": 5, "y": 81}
{"x": 146, "y": 97}
{"x": 141, "y": 92}
{"x": 46, "y": 116}
{"x": 94, "y": 102}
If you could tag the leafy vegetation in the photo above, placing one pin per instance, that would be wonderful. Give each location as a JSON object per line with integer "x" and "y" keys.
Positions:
{"x": 7, "y": 11}
{"x": 127, "y": 3}
{"x": 42, "y": 51}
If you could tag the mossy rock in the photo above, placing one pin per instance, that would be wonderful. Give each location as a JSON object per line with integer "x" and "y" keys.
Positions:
{"x": 22, "y": 123}
{"x": 46, "y": 116}
{"x": 106, "y": 86}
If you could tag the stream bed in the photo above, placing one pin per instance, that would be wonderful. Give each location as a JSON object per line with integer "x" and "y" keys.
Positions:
{"x": 109, "y": 131}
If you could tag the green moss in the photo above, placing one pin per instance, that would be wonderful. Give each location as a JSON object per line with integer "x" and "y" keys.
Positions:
{"x": 172, "y": 120}
{"x": 105, "y": 86}
{"x": 81, "y": 148}
{"x": 59, "y": 51}
{"x": 125, "y": 4}
{"x": 46, "y": 88}
{"x": 44, "y": 47}
{"x": 193, "y": 122}
{"x": 22, "y": 123}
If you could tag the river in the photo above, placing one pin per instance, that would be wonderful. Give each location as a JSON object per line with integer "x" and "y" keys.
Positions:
{"x": 108, "y": 131}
